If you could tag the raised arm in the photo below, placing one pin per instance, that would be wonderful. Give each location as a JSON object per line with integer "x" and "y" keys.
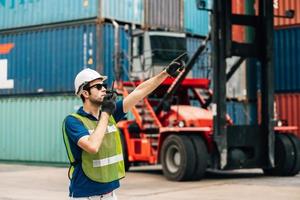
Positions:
{"x": 145, "y": 88}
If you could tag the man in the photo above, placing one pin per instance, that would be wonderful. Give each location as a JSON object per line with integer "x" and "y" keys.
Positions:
{"x": 91, "y": 137}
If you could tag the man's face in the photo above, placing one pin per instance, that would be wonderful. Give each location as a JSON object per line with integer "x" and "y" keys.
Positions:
{"x": 97, "y": 93}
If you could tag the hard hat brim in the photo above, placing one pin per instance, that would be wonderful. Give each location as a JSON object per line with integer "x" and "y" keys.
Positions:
{"x": 80, "y": 89}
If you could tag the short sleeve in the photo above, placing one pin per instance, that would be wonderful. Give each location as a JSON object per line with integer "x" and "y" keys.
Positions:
{"x": 119, "y": 113}
{"x": 75, "y": 129}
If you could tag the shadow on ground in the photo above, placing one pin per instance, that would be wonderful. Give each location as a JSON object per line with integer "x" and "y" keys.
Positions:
{"x": 210, "y": 174}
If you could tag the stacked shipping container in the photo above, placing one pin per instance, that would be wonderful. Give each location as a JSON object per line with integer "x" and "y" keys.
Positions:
{"x": 286, "y": 44}
{"x": 16, "y": 14}
{"x": 44, "y": 44}
{"x": 43, "y": 62}
{"x": 287, "y": 73}
{"x": 46, "y": 60}
{"x": 287, "y": 63}
{"x": 196, "y": 22}
{"x": 280, "y": 8}
{"x": 174, "y": 15}
{"x": 31, "y": 127}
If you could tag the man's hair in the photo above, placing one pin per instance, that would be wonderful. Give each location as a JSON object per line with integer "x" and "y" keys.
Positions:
{"x": 87, "y": 89}
{"x": 82, "y": 98}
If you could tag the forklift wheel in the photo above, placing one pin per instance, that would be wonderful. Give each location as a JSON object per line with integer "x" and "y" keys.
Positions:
{"x": 285, "y": 157}
{"x": 125, "y": 151}
{"x": 296, "y": 144}
{"x": 201, "y": 156}
{"x": 178, "y": 158}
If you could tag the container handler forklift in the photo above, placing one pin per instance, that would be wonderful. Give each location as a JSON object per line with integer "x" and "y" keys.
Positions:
{"x": 184, "y": 126}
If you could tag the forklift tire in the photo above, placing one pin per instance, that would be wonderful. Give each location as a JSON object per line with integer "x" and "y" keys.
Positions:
{"x": 125, "y": 151}
{"x": 178, "y": 158}
{"x": 284, "y": 157}
{"x": 201, "y": 157}
{"x": 296, "y": 144}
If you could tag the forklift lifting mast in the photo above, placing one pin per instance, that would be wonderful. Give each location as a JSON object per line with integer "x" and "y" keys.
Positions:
{"x": 249, "y": 146}
{"x": 187, "y": 139}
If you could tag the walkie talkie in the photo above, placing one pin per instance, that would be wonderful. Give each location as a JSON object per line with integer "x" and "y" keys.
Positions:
{"x": 111, "y": 93}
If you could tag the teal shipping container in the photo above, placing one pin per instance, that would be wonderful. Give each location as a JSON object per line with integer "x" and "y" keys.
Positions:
{"x": 14, "y": 14}
{"x": 196, "y": 22}
{"x": 46, "y": 60}
{"x": 31, "y": 128}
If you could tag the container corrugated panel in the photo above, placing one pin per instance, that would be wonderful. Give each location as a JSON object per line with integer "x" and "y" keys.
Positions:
{"x": 36, "y": 12}
{"x": 242, "y": 113}
{"x": 287, "y": 60}
{"x": 238, "y": 32}
{"x": 124, "y": 42}
{"x": 280, "y": 7}
{"x": 288, "y": 107}
{"x": 31, "y": 128}
{"x": 196, "y": 21}
{"x": 123, "y": 10}
{"x": 202, "y": 68}
{"x": 236, "y": 85}
{"x": 47, "y": 60}
{"x": 166, "y": 14}
{"x": 110, "y": 53}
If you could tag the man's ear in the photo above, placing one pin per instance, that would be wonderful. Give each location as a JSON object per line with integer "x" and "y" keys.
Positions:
{"x": 85, "y": 93}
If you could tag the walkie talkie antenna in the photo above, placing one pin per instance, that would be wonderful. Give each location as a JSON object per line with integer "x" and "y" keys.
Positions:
{"x": 112, "y": 85}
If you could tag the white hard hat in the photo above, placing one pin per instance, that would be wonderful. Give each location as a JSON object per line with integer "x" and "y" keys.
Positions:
{"x": 84, "y": 77}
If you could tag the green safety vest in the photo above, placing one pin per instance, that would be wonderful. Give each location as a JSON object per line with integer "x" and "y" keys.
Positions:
{"x": 105, "y": 166}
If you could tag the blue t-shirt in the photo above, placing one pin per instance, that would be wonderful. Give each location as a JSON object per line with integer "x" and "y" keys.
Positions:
{"x": 81, "y": 185}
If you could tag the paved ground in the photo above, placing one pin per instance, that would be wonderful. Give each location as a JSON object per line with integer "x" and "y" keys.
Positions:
{"x": 20, "y": 182}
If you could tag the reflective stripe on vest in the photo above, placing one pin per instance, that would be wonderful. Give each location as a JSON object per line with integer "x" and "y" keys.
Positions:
{"x": 107, "y": 164}
{"x": 107, "y": 161}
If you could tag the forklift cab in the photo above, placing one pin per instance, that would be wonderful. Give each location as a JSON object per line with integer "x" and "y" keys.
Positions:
{"x": 153, "y": 50}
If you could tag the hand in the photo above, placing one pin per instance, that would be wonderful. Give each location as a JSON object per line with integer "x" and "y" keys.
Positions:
{"x": 176, "y": 66}
{"x": 109, "y": 104}
{"x": 111, "y": 94}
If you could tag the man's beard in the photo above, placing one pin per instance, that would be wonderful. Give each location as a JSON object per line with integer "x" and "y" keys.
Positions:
{"x": 96, "y": 102}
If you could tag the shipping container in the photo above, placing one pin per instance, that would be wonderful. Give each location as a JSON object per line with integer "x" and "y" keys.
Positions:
{"x": 287, "y": 60}
{"x": 242, "y": 113}
{"x": 280, "y": 8}
{"x": 288, "y": 109}
{"x": 130, "y": 11}
{"x": 166, "y": 15}
{"x": 202, "y": 68}
{"x": 47, "y": 60}
{"x": 196, "y": 22}
{"x": 238, "y": 32}
{"x": 236, "y": 86}
{"x": 31, "y": 128}
{"x": 15, "y": 14}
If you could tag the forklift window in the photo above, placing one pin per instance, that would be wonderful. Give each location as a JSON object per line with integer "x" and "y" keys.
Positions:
{"x": 140, "y": 45}
{"x": 165, "y": 49}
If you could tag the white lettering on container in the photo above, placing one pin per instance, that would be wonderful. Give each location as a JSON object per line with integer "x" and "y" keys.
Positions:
{"x": 4, "y": 82}
{"x": 276, "y": 4}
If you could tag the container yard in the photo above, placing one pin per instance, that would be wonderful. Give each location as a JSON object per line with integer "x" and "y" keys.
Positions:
{"x": 226, "y": 119}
